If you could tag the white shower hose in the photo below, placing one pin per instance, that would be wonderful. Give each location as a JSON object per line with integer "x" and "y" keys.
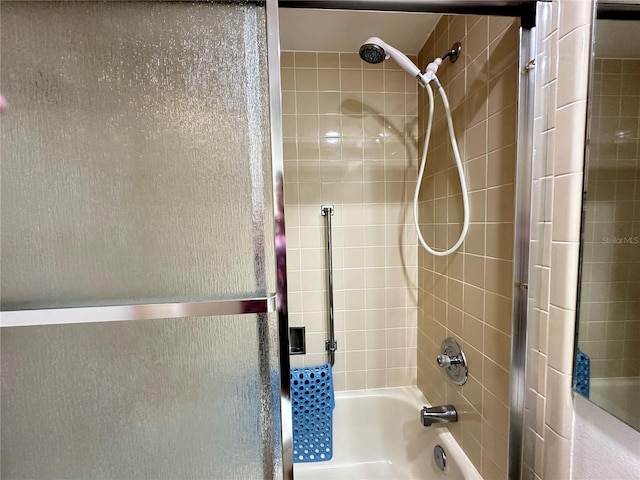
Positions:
{"x": 463, "y": 185}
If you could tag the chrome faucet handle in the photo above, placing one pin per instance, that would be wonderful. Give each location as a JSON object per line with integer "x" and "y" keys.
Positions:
{"x": 445, "y": 360}
{"x": 453, "y": 361}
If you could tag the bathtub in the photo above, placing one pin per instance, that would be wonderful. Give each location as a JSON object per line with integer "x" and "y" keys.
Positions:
{"x": 377, "y": 434}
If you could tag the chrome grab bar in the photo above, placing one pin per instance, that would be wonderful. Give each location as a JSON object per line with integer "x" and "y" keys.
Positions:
{"x": 330, "y": 345}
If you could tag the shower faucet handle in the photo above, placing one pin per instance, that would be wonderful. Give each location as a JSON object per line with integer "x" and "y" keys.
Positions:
{"x": 445, "y": 360}
{"x": 453, "y": 361}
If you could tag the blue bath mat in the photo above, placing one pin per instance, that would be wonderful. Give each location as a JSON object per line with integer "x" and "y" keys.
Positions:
{"x": 312, "y": 403}
{"x": 583, "y": 373}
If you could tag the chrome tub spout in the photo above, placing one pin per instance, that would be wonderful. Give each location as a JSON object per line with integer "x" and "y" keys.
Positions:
{"x": 438, "y": 414}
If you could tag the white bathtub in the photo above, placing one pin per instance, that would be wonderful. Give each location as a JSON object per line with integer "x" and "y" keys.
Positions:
{"x": 377, "y": 434}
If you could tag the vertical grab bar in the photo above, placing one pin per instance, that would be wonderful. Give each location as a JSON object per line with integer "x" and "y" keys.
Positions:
{"x": 330, "y": 345}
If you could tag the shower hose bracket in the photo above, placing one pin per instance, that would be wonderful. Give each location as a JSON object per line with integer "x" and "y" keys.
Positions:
{"x": 327, "y": 209}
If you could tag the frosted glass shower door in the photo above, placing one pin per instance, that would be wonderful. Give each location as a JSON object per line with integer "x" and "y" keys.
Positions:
{"x": 138, "y": 277}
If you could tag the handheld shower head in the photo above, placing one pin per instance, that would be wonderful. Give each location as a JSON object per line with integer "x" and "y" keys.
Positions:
{"x": 372, "y": 53}
{"x": 376, "y": 50}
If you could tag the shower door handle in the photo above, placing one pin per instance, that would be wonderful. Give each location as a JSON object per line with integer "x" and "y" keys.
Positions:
{"x": 119, "y": 313}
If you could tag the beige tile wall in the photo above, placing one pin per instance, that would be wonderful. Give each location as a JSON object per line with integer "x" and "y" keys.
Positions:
{"x": 350, "y": 140}
{"x": 610, "y": 296}
{"x": 468, "y": 295}
{"x": 561, "y": 89}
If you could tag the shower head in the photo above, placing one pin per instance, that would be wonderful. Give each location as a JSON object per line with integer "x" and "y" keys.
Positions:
{"x": 375, "y": 50}
{"x": 372, "y": 53}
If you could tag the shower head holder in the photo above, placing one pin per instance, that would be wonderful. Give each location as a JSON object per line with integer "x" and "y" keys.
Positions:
{"x": 453, "y": 53}
{"x": 430, "y": 72}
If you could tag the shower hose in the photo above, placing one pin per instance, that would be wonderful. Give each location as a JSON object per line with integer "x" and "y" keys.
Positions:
{"x": 423, "y": 162}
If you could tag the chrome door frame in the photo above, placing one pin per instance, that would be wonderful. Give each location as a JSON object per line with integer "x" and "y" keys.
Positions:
{"x": 280, "y": 244}
{"x": 261, "y": 305}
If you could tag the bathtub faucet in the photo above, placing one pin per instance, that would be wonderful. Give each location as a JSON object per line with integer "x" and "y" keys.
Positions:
{"x": 438, "y": 414}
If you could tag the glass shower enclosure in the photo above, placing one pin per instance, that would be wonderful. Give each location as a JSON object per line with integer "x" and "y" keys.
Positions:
{"x": 141, "y": 309}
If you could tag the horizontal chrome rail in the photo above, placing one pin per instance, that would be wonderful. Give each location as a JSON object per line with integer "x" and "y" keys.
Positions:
{"x": 525, "y": 9}
{"x": 122, "y": 313}
{"x": 484, "y": 7}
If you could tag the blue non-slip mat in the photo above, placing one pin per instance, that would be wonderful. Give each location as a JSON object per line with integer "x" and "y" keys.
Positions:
{"x": 583, "y": 373}
{"x": 312, "y": 402}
